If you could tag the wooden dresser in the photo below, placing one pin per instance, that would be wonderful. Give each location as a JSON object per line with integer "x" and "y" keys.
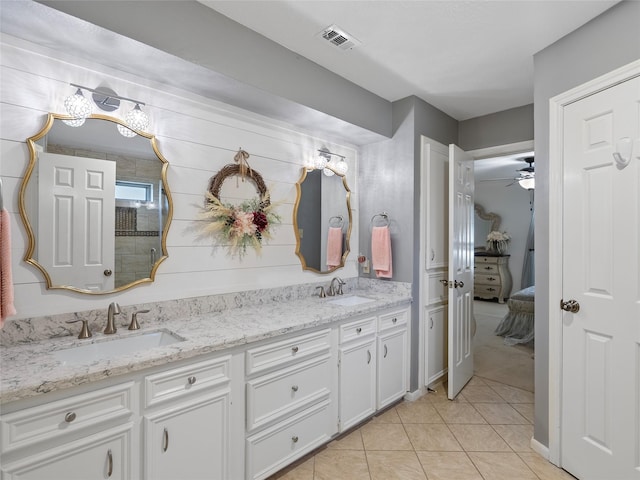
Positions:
{"x": 491, "y": 277}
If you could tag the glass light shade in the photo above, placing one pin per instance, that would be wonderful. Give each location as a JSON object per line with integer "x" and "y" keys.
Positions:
{"x": 321, "y": 162}
{"x": 341, "y": 167}
{"x": 137, "y": 119}
{"x": 76, "y": 122}
{"x": 77, "y": 105}
{"x": 527, "y": 183}
{"x": 328, "y": 172}
{"x": 125, "y": 131}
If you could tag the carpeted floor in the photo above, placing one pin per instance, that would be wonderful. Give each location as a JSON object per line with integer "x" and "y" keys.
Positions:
{"x": 511, "y": 365}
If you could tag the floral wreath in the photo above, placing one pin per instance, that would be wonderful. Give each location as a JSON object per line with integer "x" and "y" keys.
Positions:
{"x": 244, "y": 225}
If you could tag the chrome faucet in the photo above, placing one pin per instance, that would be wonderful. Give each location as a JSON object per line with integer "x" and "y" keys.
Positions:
{"x": 114, "y": 309}
{"x": 332, "y": 290}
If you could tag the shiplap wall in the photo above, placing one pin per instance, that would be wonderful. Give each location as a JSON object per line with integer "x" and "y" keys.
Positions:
{"x": 197, "y": 136}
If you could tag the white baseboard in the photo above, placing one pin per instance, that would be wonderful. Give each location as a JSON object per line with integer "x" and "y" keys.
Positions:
{"x": 415, "y": 395}
{"x": 539, "y": 448}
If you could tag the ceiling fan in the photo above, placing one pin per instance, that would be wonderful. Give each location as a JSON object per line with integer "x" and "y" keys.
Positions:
{"x": 526, "y": 176}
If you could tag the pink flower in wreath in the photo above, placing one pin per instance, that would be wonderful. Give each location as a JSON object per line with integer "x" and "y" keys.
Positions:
{"x": 243, "y": 224}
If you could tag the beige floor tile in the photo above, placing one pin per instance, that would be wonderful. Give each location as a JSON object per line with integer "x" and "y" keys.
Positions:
{"x": 544, "y": 469}
{"x": 350, "y": 441}
{"x": 481, "y": 393}
{"x": 301, "y": 470}
{"x": 501, "y": 466}
{"x": 476, "y": 381}
{"x": 395, "y": 466}
{"x": 440, "y": 396}
{"x": 518, "y": 437}
{"x": 448, "y": 466}
{"x": 418, "y": 412}
{"x": 341, "y": 465}
{"x": 512, "y": 394}
{"x": 388, "y": 416}
{"x": 479, "y": 438}
{"x": 385, "y": 436}
{"x": 500, "y": 414}
{"x": 459, "y": 413}
{"x": 432, "y": 437}
{"x": 525, "y": 409}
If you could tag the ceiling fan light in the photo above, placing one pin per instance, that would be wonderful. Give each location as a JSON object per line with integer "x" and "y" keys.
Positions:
{"x": 528, "y": 183}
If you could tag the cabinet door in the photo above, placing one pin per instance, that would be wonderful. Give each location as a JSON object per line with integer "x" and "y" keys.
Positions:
{"x": 190, "y": 440}
{"x": 392, "y": 366}
{"x": 357, "y": 382}
{"x": 106, "y": 455}
{"x": 436, "y": 342}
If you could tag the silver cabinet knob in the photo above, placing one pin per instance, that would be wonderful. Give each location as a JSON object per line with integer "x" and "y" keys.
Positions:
{"x": 294, "y": 388}
{"x": 191, "y": 380}
{"x": 294, "y": 439}
{"x": 70, "y": 417}
{"x": 294, "y": 349}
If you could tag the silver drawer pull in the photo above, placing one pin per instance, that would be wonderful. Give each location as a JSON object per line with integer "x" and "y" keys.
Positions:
{"x": 294, "y": 349}
{"x": 70, "y": 417}
{"x": 368, "y": 357}
{"x": 488, "y": 268}
{"x": 294, "y": 439}
{"x": 385, "y": 351}
{"x": 358, "y": 330}
{"x": 109, "y": 463}
{"x": 165, "y": 440}
{"x": 294, "y": 388}
{"x": 191, "y": 380}
{"x": 491, "y": 279}
{"x": 491, "y": 289}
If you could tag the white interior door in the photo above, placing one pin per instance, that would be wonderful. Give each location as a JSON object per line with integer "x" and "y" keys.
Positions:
{"x": 600, "y": 410}
{"x": 461, "y": 189}
{"x": 76, "y": 204}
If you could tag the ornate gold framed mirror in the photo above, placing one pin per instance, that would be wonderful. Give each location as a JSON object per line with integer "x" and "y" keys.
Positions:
{"x": 96, "y": 205}
{"x": 322, "y": 221}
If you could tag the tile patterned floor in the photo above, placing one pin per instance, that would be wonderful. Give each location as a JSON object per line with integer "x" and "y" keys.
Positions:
{"x": 483, "y": 435}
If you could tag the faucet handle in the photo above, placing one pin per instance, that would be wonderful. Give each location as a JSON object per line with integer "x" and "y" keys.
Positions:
{"x": 84, "y": 332}
{"x": 322, "y": 293}
{"x": 134, "y": 325}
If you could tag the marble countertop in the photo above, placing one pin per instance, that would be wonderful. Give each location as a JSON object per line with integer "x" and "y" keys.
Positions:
{"x": 31, "y": 369}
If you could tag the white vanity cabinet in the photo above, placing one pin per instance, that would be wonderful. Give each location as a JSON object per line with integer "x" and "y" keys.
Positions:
{"x": 88, "y": 435}
{"x": 186, "y": 422}
{"x": 290, "y": 409}
{"x": 374, "y": 365}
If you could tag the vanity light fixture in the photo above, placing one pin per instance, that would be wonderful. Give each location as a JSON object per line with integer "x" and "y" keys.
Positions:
{"x": 79, "y": 107}
{"x": 330, "y": 166}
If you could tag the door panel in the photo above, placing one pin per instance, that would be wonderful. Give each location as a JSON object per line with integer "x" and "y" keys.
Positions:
{"x": 461, "y": 208}
{"x": 601, "y": 260}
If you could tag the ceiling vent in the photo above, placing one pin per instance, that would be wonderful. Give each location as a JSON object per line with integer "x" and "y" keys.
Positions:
{"x": 339, "y": 38}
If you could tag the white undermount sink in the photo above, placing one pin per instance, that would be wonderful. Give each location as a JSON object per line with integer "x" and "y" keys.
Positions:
{"x": 351, "y": 300}
{"x": 109, "y": 348}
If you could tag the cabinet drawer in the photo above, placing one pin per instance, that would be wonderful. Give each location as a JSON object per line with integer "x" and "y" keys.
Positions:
{"x": 392, "y": 320}
{"x": 486, "y": 269}
{"x": 273, "y": 448}
{"x": 486, "y": 290}
{"x": 62, "y": 417}
{"x": 287, "y": 352}
{"x": 272, "y": 396}
{"x": 178, "y": 382}
{"x": 358, "y": 329}
{"x": 487, "y": 279}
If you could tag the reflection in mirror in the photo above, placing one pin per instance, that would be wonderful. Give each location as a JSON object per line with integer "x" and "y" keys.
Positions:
{"x": 322, "y": 221}
{"x": 96, "y": 205}
{"x": 484, "y": 223}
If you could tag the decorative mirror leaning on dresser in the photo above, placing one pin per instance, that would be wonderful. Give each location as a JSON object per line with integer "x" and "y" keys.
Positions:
{"x": 96, "y": 205}
{"x": 322, "y": 221}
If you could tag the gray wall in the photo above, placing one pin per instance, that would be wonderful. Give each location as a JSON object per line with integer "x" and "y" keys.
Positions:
{"x": 604, "y": 44}
{"x": 501, "y": 128}
{"x": 191, "y": 31}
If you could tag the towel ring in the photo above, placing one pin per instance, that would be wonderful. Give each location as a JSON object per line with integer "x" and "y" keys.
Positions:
{"x": 340, "y": 220}
{"x": 383, "y": 215}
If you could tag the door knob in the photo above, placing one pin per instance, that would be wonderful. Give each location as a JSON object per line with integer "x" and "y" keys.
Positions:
{"x": 107, "y": 273}
{"x": 570, "y": 306}
{"x": 458, "y": 284}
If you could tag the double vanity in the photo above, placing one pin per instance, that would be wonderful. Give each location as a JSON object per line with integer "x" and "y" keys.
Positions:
{"x": 240, "y": 387}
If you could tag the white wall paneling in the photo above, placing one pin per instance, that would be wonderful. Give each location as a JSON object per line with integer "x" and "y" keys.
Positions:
{"x": 197, "y": 136}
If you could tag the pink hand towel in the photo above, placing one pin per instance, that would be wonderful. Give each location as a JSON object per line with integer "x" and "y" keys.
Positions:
{"x": 6, "y": 283}
{"x": 334, "y": 247}
{"x": 381, "y": 252}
